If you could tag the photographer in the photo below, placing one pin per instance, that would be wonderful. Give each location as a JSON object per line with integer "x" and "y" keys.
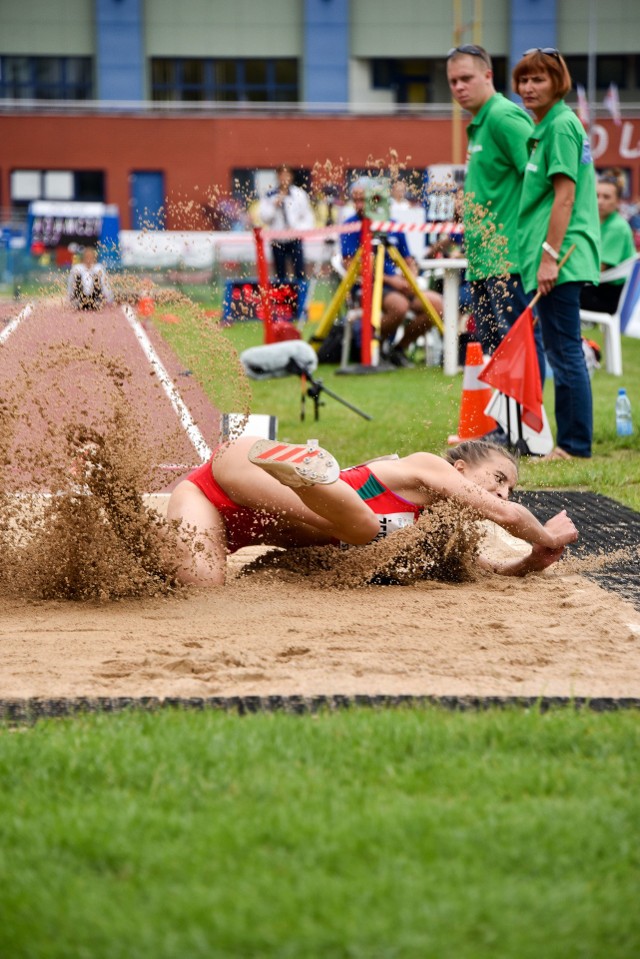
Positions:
{"x": 287, "y": 208}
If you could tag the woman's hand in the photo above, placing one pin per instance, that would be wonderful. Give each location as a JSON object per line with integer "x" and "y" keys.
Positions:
{"x": 561, "y": 531}
{"x": 542, "y": 556}
{"x": 536, "y": 561}
{"x": 547, "y": 276}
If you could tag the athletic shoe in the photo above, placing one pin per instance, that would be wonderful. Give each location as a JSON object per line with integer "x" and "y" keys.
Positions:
{"x": 295, "y": 466}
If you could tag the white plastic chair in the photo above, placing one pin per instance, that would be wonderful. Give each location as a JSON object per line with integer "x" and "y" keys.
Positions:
{"x": 625, "y": 320}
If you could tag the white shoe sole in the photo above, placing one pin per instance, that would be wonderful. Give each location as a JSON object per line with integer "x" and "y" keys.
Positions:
{"x": 295, "y": 466}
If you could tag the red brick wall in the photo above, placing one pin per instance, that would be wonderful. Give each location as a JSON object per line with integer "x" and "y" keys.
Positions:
{"x": 198, "y": 153}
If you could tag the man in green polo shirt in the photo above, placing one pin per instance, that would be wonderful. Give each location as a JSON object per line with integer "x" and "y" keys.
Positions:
{"x": 616, "y": 245}
{"x": 496, "y": 159}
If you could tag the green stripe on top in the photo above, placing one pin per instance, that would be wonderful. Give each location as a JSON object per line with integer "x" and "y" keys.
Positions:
{"x": 373, "y": 487}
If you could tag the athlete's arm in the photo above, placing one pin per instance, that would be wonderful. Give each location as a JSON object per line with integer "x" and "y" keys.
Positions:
{"x": 419, "y": 476}
{"x": 538, "y": 559}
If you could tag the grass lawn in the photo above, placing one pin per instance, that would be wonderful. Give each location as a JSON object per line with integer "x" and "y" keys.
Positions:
{"x": 361, "y": 834}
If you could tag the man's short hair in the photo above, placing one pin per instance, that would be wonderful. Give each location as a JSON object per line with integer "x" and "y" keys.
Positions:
{"x": 470, "y": 50}
{"x": 362, "y": 183}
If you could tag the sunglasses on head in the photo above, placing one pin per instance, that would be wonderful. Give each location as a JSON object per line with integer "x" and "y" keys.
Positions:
{"x": 548, "y": 51}
{"x": 471, "y": 49}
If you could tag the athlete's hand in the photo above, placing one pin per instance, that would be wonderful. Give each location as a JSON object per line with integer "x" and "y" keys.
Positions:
{"x": 561, "y": 531}
{"x": 543, "y": 556}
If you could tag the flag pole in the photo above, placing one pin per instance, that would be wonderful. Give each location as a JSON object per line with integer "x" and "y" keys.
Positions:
{"x": 561, "y": 263}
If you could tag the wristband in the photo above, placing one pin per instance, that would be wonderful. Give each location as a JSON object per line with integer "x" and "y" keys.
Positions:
{"x": 549, "y": 249}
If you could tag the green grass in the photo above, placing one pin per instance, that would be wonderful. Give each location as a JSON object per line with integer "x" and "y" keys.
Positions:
{"x": 364, "y": 834}
{"x": 419, "y": 408}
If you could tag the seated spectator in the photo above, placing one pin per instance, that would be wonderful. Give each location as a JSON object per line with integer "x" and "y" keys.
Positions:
{"x": 88, "y": 285}
{"x": 616, "y": 245}
{"x": 327, "y": 208}
{"x": 400, "y": 305}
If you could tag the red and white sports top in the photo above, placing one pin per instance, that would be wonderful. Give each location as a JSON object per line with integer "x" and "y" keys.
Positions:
{"x": 393, "y": 511}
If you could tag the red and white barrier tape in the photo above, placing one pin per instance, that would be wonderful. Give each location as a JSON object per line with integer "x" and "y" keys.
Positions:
{"x": 321, "y": 232}
{"x": 389, "y": 226}
{"x": 377, "y": 226}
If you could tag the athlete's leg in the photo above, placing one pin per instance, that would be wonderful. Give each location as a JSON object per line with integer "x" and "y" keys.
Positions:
{"x": 335, "y": 511}
{"x": 202, "y": 541}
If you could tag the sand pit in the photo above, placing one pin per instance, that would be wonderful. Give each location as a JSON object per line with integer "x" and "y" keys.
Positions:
{"x": 551, "y": 634}
{"x": 274, "y": 632}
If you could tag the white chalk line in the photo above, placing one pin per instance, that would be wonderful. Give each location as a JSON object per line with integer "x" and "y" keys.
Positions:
{"x": 15, "y": 322}
{"x": 186, "y": 420}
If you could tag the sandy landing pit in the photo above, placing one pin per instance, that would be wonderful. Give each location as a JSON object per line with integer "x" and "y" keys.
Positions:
{"x": 554, "y": 633}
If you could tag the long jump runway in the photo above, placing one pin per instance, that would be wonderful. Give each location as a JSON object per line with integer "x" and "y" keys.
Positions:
{"x": 54, "y": 359}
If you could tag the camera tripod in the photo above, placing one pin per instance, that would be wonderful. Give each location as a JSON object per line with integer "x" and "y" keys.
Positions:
{"x": 372, "y": 292}
{"x": 313, "y": 389}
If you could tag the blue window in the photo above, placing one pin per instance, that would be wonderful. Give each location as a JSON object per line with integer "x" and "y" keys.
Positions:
{"x": 46, "y": 78}
{"x": 232, "y": 81}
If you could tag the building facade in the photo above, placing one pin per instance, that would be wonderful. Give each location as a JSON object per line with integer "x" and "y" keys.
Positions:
{"x": 162, "y": 108}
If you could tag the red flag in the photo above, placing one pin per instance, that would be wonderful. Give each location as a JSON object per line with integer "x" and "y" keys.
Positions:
{"x": 513, "y": 370}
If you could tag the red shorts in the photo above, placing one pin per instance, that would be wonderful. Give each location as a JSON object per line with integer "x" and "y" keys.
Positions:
{"x": 241, "y": 523}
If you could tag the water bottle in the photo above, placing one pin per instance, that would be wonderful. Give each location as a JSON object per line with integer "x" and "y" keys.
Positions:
{"x": 624, "y": 423}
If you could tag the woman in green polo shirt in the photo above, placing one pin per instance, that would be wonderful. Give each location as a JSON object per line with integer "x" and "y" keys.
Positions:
{"x": 558, "y": 209}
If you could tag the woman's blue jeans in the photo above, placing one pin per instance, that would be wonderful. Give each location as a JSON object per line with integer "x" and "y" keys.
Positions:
{"x": 559, "y": 313}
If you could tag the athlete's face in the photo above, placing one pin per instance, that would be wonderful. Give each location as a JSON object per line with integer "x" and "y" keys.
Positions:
{"x": 495, "y": 473}
{"x": 470, "y": 81}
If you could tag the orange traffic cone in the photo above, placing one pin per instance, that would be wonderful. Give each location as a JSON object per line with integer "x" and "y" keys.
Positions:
{"x": 476, "y": 395}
